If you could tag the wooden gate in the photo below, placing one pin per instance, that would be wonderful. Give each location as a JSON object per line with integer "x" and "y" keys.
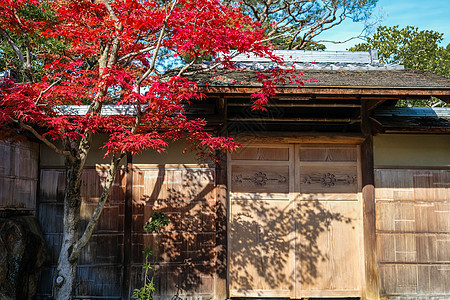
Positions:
{"x": 295, "y": 221}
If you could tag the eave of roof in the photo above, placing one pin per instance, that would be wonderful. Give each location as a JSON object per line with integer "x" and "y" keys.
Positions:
{"x": 369, "y": 92}
{"x": 393, "y": 83}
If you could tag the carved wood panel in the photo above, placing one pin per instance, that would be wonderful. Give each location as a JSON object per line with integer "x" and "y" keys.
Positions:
{"x": 261, "y": 179}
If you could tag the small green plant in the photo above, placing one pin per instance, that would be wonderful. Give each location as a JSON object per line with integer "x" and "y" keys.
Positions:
{"x": 158, "y": 221}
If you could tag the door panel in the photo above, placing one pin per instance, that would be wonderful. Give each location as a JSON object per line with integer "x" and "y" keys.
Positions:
{"x": 261, "y": 227}
{"x": 327, "y": 248}
{"x": 295, "y": 222}
{"x": 259, "y": 248}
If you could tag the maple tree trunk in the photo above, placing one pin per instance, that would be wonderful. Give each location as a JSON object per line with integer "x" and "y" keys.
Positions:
{"x": 67, "y": 266}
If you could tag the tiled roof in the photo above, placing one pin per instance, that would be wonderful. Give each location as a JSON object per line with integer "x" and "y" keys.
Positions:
{"x": 414, "y": 119}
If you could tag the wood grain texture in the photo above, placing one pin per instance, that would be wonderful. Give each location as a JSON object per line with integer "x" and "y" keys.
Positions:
{"x": 100, "y": 263}
{"x": 261, "y": 153}
{"x": 286, "y": 239}
{"x": 18, "y": 175}
{"x": 413, "y": 233}
{"x": 185, "y": 253}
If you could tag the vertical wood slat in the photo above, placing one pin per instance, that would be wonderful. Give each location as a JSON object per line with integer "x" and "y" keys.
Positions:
{"x": 18, "y": 175}
{"x": 221, "y": 224}
{"x": 127, "y": 230}
{"x": 413, "y": 232}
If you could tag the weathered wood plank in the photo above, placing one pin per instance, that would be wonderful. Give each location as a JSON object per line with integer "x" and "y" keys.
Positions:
{"x": 221, "y": 226}
{"x": 413, "y": 233}
{"x": 182, "y": 250}
{"x": 18, "y": 175}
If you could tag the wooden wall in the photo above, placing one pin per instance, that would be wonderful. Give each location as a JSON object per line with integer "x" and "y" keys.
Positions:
{"x": 110, "y": 267}
{"x": 412, "y": 229}
{"x": 413, "y": 233}
{"x": 184, "y": 252}
{"x": 100, "y": 265}
{"x": 18, "y": 175}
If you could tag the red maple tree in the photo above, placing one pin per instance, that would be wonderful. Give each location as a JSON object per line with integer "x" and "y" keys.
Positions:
{"x": 111, "y": 54}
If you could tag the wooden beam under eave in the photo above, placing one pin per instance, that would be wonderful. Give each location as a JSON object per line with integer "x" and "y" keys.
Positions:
{"x": 427, "y": 130}
{"x": 296, "y": 120}
{"x": 299, "y": 137}
{"x": 373, "y": 103}
{"x": 439, "y": 92}
{"x": 331, "y": 105}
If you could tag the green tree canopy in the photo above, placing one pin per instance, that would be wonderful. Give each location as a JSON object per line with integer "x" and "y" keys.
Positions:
{"x": 21, "y": 47}
{"x": 413, "y": 48}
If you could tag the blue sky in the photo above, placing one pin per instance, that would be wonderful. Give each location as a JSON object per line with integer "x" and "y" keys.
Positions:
{"x": 431, "y": 15}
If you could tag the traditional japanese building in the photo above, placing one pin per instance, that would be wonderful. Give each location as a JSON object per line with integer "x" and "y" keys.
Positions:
{"x": 335, "y": 192}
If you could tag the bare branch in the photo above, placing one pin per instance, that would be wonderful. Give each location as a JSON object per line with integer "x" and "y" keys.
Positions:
{"x": 212, "y": 67}
{"x": 46, "y": 90}
{"x": 110, "y": 10}
{"x": 299, "y": 21}
{"x": 14, "y": 46}
{"x": 187, "y": 66}
{"x": 43, "y": 139}
{"x": 157, "y": 47}
{"x": 133, "y": 54}
{"x": 27, "y": 64}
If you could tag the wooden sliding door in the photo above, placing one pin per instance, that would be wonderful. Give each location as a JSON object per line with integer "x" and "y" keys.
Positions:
{"x": 295, "y": 221}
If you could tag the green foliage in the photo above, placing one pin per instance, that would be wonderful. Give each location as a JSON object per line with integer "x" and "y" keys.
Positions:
{"x": 315, "y": 47}
{"x": 415, "y": 49}
{"x": 37, "y": 45}
{"x": 157, "y": 222}
{"x": 146, "y": 291}
{"x": 408, "y": 46}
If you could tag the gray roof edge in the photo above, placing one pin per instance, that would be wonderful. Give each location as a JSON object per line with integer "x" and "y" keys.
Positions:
{"x": 440, "y": 112}
{"x": 322, "y": 60}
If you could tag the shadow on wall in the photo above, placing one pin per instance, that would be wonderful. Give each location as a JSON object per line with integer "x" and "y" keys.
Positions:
{"x": 187, "y": 254}
{"x": 190, "y": 253}
{"x": 262, "y": 233}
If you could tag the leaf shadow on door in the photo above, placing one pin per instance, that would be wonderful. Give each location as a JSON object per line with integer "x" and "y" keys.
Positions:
{"x": 264, "y": 237}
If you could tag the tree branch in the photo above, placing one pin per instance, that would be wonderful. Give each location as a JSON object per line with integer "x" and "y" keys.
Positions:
{"x": 157, "y": 47}
{"x": 142, "y": 51}
{"x": 27, "y": 64}
{"x": 14, "y": 46}
{"x": 43, "y": 139}
{"x": 187, "y": 66}
{"x": 82, "y": 241}
{"x": 46, "y": 90}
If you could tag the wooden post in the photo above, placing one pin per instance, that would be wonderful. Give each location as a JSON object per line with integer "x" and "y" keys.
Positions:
{"x": 371, "y": 285}
{"x": 221, "y": 286}
{"x": 126, "y": 259}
